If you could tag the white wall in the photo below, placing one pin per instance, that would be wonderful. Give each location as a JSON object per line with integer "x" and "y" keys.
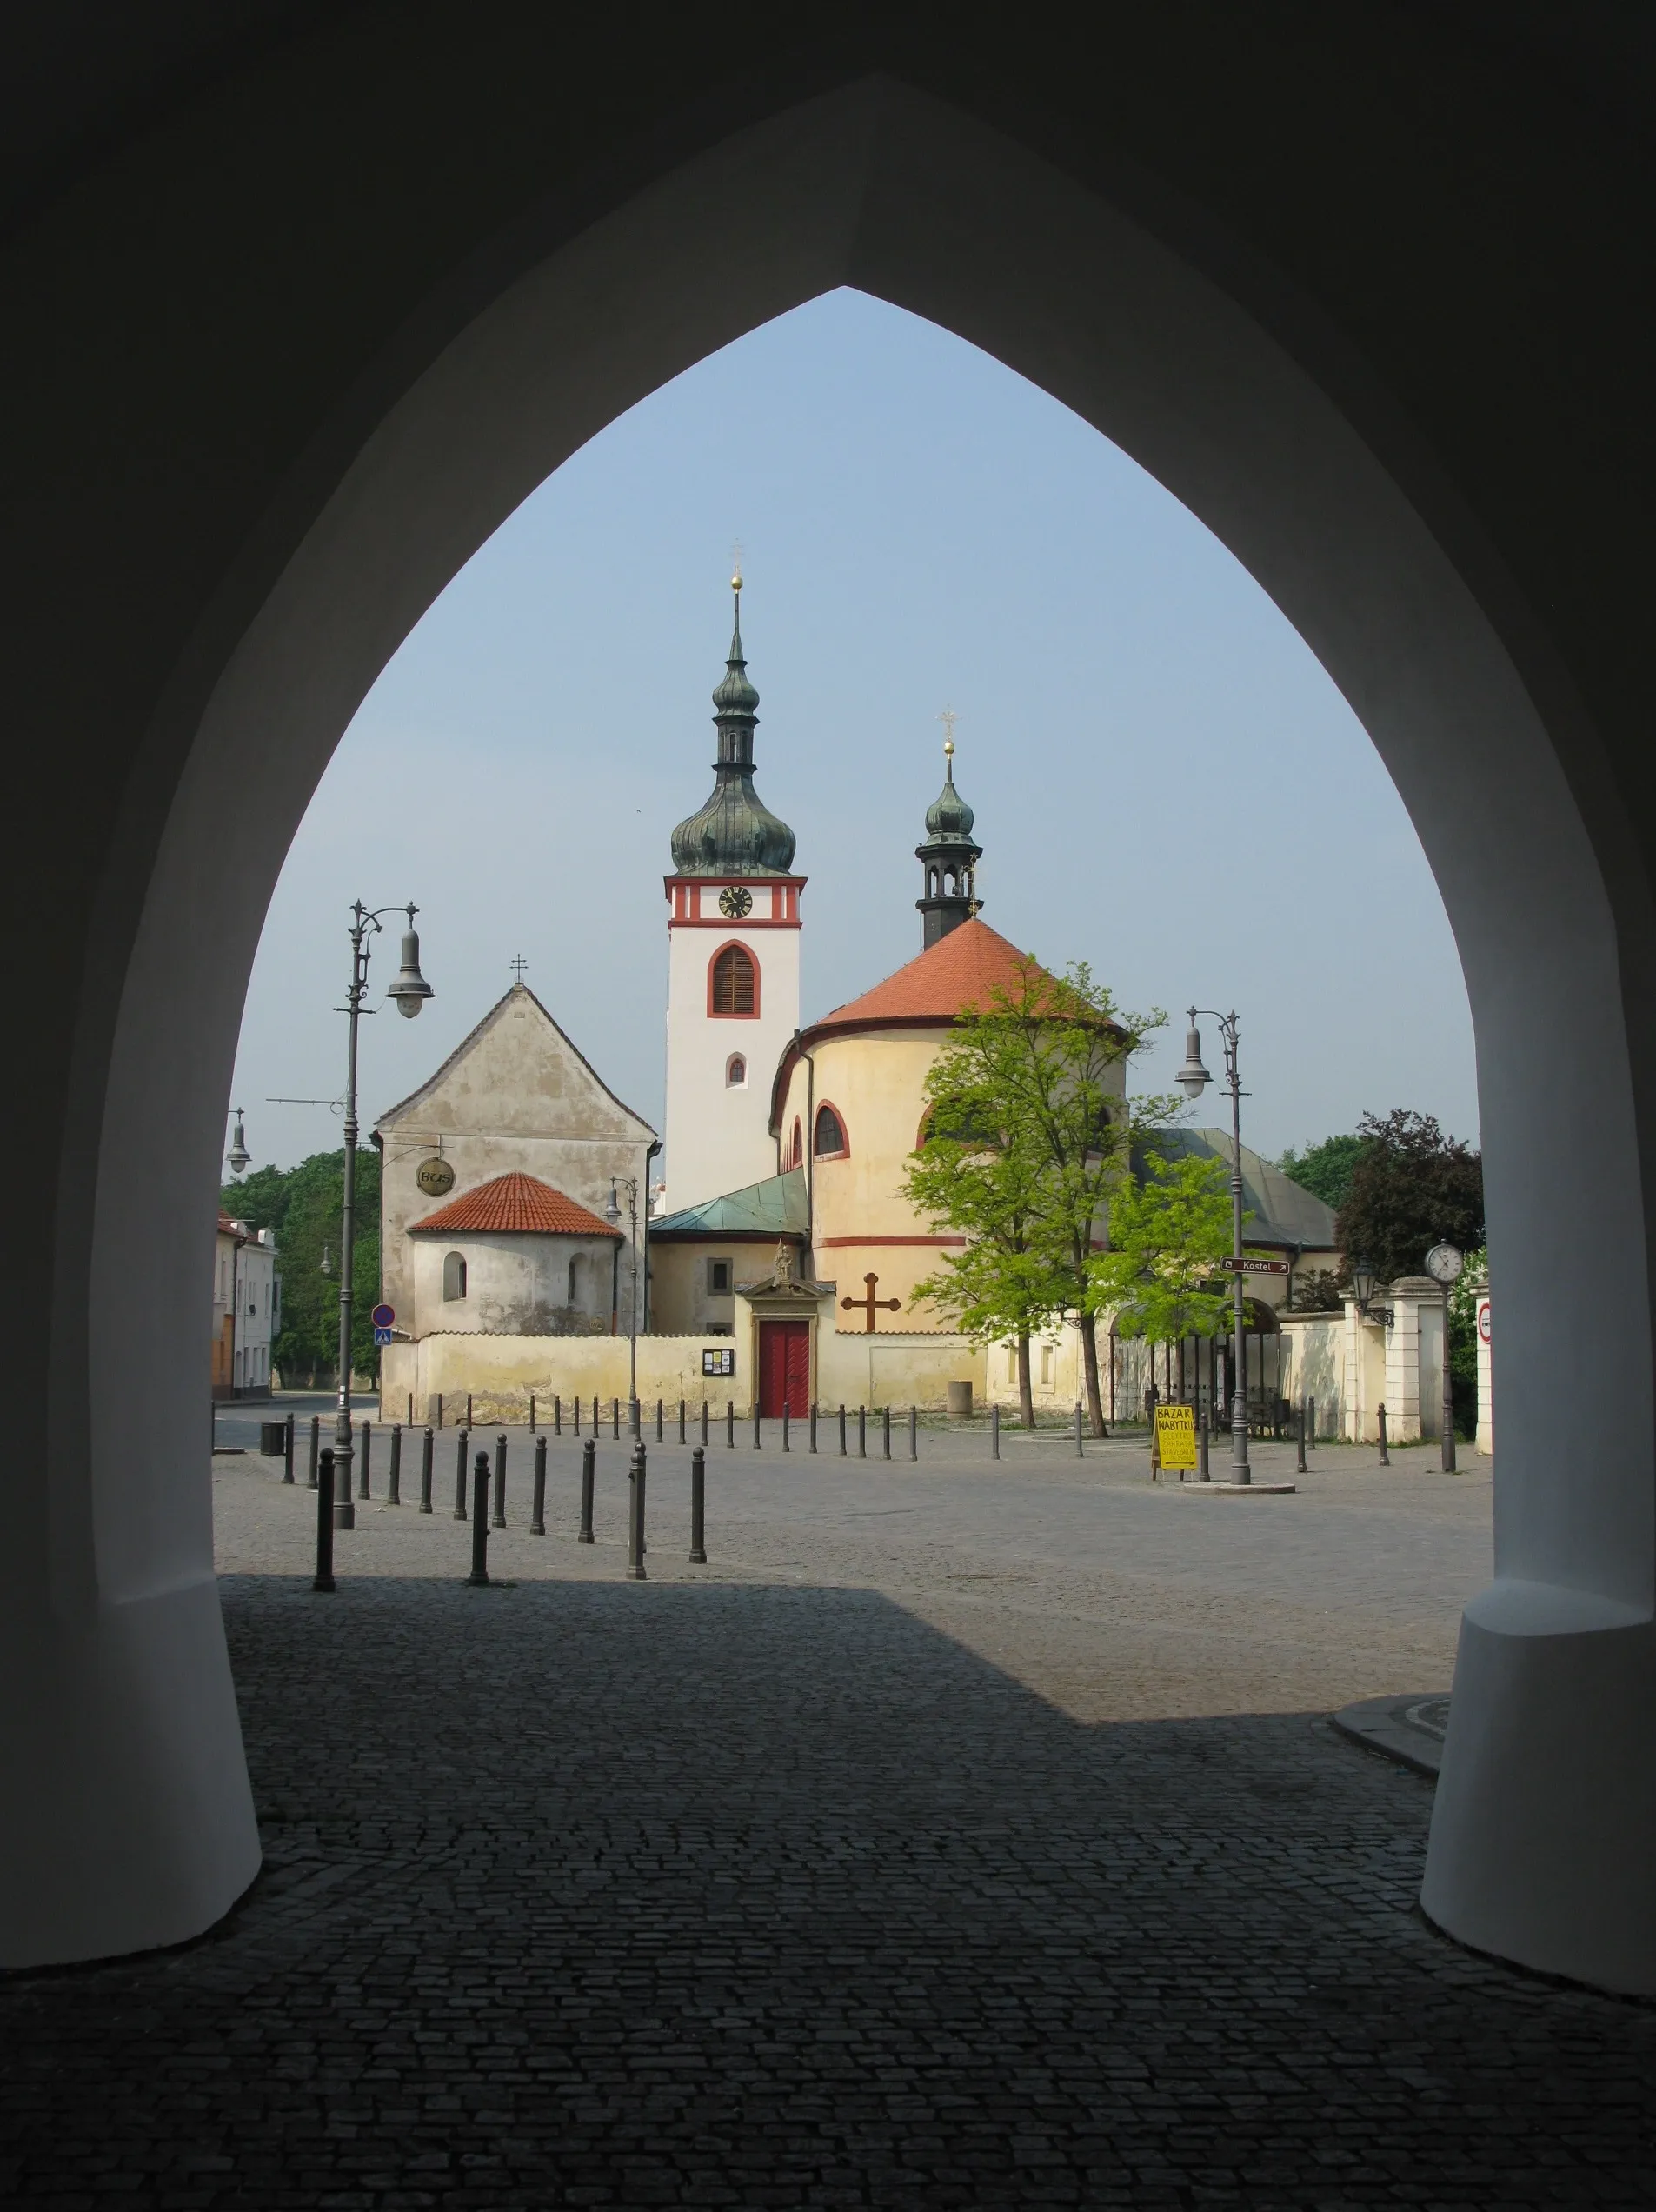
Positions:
{"x": 718, "y": 1138}
{"x": 517, "y": 1285}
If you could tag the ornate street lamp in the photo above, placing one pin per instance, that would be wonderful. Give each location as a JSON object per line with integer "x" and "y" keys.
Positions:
{"x": 1364, "y": 1283}
{"x": 1193, "y": 1079}
{"x": 408, "y": 994}
{"x": 238, "y": 1156}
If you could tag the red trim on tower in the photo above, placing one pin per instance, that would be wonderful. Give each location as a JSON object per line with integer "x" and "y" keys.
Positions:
{"x": 683, "y": 897}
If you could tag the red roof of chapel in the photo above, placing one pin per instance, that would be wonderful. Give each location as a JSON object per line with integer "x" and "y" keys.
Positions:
{"x": 959, "y": 971}
{"x": 515, "y": 1203}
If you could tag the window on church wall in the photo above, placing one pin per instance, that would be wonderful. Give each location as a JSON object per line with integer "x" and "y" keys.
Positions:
{"x": 796, "y": 1149}
{"x": 829, "y": 1142}
{"x": 736, "y": 1072}
{"x": 734, "y": 982}
{"x": 454, "y": 1275}
{"x": 718, "y": 1278}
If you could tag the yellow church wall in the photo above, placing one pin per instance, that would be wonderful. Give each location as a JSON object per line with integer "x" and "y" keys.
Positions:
{"x": 860, "y": 1221}
{"x": 501, "y": 1372}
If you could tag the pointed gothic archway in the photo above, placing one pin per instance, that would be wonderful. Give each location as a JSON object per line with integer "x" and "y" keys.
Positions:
{"x": 128, "y": 1822}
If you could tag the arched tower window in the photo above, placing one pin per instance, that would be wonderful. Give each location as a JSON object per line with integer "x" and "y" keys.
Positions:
{"x": 734, "y": 982}
{"x": 454, "y": 1275}
{"x": 736, "y": 1072}
{"x": 830, "y": 1141}
{"x": 796, "y": 1150}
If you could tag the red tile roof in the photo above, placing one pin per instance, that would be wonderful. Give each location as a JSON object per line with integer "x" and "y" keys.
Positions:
{"x": 959, "y": 971}
{"x": 515, "y": 1203}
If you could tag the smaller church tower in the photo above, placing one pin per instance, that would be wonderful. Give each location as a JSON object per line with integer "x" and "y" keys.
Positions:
{"x": 949, "y": 859}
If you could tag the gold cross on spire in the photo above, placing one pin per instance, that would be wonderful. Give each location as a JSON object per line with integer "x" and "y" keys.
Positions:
{"x": 948, "y": 719}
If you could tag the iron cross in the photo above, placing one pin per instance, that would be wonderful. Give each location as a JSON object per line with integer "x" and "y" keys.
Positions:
{"x": 868, "y": 1302}
{"x": 518, "y": 965}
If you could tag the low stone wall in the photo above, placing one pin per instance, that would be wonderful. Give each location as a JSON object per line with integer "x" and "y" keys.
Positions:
{"x": 501, "y": 1372}
{"x": 896, "y": 1369}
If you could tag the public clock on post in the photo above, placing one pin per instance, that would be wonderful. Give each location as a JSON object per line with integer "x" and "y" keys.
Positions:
{"x": 1444, "y": 1263}
{"x": 735, "y": 902}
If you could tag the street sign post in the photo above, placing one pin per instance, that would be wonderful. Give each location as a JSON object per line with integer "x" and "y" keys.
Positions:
{"x": 383, "y": 1316}
{"x": 1253, "y": 1264}
{"x": 381, "y": 1335}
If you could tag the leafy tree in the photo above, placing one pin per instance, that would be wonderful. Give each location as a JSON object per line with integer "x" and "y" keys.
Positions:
{"x": 1028, "y": 1133}
{"x": 1324, "y": 1169}
{"x": 302, "y": 1207}
{"x": 1167, "y": 1234}
{"x": 1412, "y": 1187}
{"x": 1317, "y": 1290}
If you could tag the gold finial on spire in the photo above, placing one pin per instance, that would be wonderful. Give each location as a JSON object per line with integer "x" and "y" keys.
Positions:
{"x": 735, "y": 566}
{"x": 948, "y": 719}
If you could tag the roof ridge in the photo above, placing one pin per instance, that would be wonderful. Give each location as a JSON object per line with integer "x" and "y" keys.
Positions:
{"x": 470, "y": 1038}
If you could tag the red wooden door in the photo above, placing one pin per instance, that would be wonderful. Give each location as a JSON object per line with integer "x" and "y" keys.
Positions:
{"x": 784, "y": 1369}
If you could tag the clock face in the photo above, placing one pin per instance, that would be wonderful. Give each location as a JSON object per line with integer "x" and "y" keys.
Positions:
{"x": 1443, "y": 1262}
{"x": 736, "y": 901}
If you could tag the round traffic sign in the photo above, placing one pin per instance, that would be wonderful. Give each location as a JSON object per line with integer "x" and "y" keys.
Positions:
{"x": 384, "y": 1316}
{"x": 1483, "y": 1321}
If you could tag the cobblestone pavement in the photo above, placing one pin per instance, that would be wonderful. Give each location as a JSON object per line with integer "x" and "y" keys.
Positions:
{"x": 735, "y": 1887}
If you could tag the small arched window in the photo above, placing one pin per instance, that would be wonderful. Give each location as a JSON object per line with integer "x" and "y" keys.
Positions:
{"x": 736, "y": 1072}
{"x": 796, "y": 1150}
{"x": 454, "y": 1275}
{"x": 830, "y": 1143}
{"x": 735, "y": 982}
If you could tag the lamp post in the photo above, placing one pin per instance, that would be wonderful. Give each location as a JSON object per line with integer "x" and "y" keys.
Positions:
{"x": 612, "y": 1215}
{"x": 408, "y": 994}
{"x": 1444, "y": 1263}
{"x": 1193, "y": 1079}
{"x": 238, "y": 1156}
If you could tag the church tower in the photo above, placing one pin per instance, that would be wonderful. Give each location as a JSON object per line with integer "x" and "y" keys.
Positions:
{"x": 948, "y": 858}
{"x": 733, "y": 964}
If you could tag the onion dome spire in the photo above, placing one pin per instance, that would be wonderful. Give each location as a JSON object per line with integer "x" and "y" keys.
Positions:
{"x": 948, "y": 858}
{"x": 735, "y": 833}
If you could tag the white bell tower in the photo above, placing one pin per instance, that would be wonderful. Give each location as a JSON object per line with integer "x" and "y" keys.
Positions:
{"x": 733, "y": 964}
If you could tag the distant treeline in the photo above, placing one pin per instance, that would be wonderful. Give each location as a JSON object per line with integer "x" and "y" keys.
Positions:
{"x": 302, "y": 1207}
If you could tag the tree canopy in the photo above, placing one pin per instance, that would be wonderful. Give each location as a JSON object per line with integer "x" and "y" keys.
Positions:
{"x": 1167, "y": 1234}
{"x": 1324, "y": 1169}
{"x": 1412, "y": 1187}
{"x": 302, "y": 1206}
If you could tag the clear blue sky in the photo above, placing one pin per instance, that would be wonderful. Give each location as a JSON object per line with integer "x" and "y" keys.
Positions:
{"x": 1139, "y": 729}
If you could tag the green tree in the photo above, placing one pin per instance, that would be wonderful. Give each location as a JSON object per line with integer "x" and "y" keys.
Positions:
{"x": 1168, "y": 1235}
{"x": 1412, "y": 1187}
{"x": 302, "y": 1207}
{"x": 1028, "y": 1130}
{"x": 1324, "y": 1169}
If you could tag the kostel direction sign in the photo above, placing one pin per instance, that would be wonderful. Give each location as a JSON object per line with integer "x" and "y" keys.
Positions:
{"x": 1253, "y": 1264}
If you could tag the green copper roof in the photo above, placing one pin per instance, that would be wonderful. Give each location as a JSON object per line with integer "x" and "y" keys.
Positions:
{"x": 949, "y": 819}
{"x": 774, "y": 1208}
{"x": 1283, "y": 1214}
{"x": 734, "y": 834}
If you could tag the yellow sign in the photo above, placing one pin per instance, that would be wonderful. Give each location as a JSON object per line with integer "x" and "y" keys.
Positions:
{"x": 1176, "y": 1439}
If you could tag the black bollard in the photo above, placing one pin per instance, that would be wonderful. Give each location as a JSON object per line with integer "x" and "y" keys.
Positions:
{"x": 537, "y": 1513}
{"x": 885, "y": 1432}
{"x": 704, "y": 1422}
{"x": 730, "y": 1424}
{"x": 914, "y": 1432}
{"x": 635, "y": 1515}
{"x": 315, "y": 1440}
{"x": 468, "y": 1412}
{"x": 577, "y": 1416}
{"x": 841, "y": 1432}
{"x": 1078, "y": 1429}
{"x": 479, "y": 1574}
{"x": 813, "y": 1424}
{"x": 394, "y": 1481}
{"x": 1299, "y": 1455}
{"x": 698, "y": 1506}
{"x": 614, "y": 1419}
{"x": 1204, "y": 1430}
{"x": 862, "y": 1432}
{"x": 994, "y": 1431}
{"x": 1385, "y": 1457}
{"x": 658, "y": 1422}
{"x": 786, "y": 1445}
{"x": 597, "y": 1415}
{"x": 755, "y": 1424}
{"x": 287, "y": 1451}
{"x": 682, "y": 1437}
{"x": 588, "y": 1483}
{"x": 324, "y": 1578}
{"x": 531, "y": 1413}
{"x": 1311, "y": 1424}
{"x": 634, "y": 1418}
{"x": 410, "y": 1408}
{"x": 557, "y": 1416}
{"x": 363, "y": 1488}
{"x": 461, "y": 1442}
{"x": 500, "y": 1480}
{"x": 440, "y": 1409}
{"x": 425, "y": 1472}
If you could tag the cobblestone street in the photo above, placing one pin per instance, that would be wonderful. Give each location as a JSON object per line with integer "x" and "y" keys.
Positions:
{"x": 959, "y": 1836}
